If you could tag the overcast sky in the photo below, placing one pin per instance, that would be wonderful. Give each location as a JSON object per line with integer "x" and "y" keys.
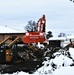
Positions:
{"x": 59, "y": 14}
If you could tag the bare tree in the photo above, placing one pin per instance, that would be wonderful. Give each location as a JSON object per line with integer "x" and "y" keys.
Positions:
{"x": 31, "y": 26}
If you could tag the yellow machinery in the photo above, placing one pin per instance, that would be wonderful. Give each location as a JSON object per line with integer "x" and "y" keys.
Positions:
{"x": 2, "y": 42}
{"x": 6, "y": 53}
{"x": 9, "y": 53}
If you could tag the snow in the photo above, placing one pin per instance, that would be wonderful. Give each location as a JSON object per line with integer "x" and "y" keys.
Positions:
{"x": 70, "y": 37}
{"x": 57, "y": 38}
{"x": 64, "y": 71}
{"x": 71, "y": 50}
{"x": 23, "y": 73}
{"x": 40, "y": 45}
{"x": 18, "y": 73}
{"x": 62, "y": 38}
{"x": 4, "y": 29}
{"x": 59, "y": 65}
{"x": 59, "y": 61}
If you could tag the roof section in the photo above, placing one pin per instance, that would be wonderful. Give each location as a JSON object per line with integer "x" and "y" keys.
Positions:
{"x": 62, "y": 38}
{"x": 57, "y": 38}
{"x": 4, "y": 29}
{"x": 70, "y": 37}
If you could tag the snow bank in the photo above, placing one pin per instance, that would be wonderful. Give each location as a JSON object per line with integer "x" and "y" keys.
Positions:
{"x": 59, "y": 62}
{"x": 71, "y": 50}
{"x": 64, "y": 71}
{"x": 62, "y": 61}
{"x": 23, "y": 73}
{"x": 17, "y": 73}
{"x": 4, "y": 29}
{"x": 60, "y": 65}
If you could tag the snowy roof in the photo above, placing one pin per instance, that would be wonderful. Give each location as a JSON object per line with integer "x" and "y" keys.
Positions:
{"x": 62, "y": 38}
{"x": 57, "y": 38}
{"x": 70, "y": 37}
{"x": 4, "y": 29}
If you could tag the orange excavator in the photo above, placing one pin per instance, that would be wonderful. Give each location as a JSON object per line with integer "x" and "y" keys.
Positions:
{"x": 38, "y": 35}
{"x": 21, "y": 52}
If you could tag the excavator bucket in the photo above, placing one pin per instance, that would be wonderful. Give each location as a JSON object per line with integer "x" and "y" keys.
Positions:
{"x": 34, "y": 37}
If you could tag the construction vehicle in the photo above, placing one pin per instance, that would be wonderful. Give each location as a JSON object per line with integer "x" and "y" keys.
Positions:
{"x": 38, "y": 35}
{"x": 21, "y": 51}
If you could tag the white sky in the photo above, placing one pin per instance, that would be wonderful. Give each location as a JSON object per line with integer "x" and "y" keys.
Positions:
{"x": 59, "y": 14}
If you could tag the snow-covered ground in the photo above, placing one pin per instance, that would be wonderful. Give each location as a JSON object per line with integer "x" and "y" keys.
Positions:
{"x": 60, "y": 64}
